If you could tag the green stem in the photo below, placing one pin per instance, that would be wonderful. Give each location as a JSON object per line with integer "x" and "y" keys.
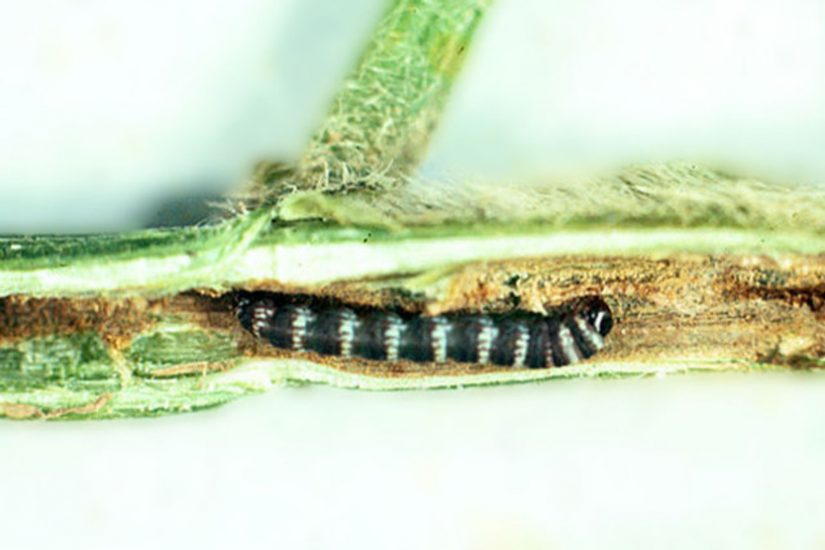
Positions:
{"x": 380, "y": 123}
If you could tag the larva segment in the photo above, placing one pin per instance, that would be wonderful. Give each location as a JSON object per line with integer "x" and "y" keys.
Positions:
{"x": 570, "y": 352}
{"x": 425, "y": 339}
{"x": 331, "y": 331}
{"x": 511, "y": 344}
{"x": 377, "y": 336}
{"x": 588, "y": 339}
{"x": 283, "y": 326}
{"x": 567, "y": 335}
{"x": 472, "y": 338}
{"x": 537, "y": 345}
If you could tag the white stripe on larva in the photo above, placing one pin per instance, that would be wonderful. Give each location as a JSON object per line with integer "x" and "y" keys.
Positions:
{"x": 521, "y": 345}
{"x": 487, "y": 333}
{"x": 568, "y": 344}
{"x": 438, "y": 336}
{"x": 598, "y": 322}
{"x": 589, "y": 333}
{"x": 300, "y": 319}
{"x": 347, "y": 324}
{"x": 261, "y": 315}
{"x": 392, "y": 336}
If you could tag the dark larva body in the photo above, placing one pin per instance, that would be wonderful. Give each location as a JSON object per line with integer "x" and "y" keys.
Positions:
{"x": 566, "y": 335}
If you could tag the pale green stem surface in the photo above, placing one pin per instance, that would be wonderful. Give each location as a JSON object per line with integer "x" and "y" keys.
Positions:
{"x": 382, "y": 119}
{"x": 313, "y": 254}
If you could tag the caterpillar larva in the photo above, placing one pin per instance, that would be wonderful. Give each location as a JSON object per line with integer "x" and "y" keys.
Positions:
{"x": 566, "y": 335}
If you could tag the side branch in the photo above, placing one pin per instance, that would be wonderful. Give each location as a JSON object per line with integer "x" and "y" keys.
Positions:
{"x": 381, "y": 122}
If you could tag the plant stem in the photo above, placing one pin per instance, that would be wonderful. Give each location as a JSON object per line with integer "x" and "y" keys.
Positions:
{"x": 381, "y": 122}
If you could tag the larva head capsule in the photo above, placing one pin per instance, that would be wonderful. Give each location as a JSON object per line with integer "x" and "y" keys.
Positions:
{"x": 598, "y": 315}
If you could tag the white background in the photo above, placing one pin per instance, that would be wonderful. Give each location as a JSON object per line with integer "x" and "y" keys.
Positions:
{"x": 108, "y": 107}
{"x": 707, "y": 461}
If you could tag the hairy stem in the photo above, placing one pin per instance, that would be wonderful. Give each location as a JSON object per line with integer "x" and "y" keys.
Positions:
{"x": 381, "y": 122}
